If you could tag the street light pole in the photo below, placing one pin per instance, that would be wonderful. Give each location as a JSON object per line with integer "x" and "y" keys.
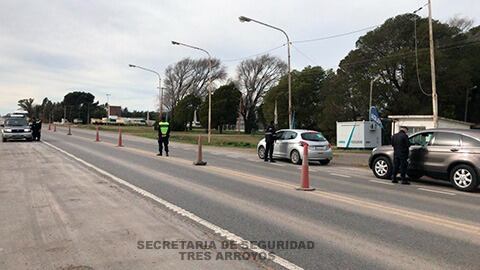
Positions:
{"x": 432, "y": 67}
{"x": 466, "y": 102}
{"x": 160, "y": 89}
{"x": 246, "y": 19}
{"x": 209, "y": 86}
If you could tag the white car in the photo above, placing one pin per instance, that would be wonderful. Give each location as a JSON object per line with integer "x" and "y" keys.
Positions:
{"x": 289, "y": 145}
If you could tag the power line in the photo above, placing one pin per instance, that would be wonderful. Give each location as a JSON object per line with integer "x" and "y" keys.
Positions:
{"x": 409, "y": 53}
{"x": 304, "y": 55}
{"x": 416, "y": 57}
{"x": 336, "y": 36}
{"x": 254, "y": 55}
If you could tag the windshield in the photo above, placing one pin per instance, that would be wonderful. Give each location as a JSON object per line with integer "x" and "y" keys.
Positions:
{"x": 16, "y": 122}
{"x": 313, "y": 136}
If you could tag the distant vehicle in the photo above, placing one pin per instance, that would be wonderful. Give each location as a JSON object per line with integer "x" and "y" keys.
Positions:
{"x": 289, "y": 145}
{"x": 447, "y": 154}
{"x": 16, "y": 128}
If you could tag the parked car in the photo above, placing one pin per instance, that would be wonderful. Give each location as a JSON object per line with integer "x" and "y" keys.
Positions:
{"x": 447, "y": 154}
{"x": 289, "y": 145}
{"x": 16, "y": 128}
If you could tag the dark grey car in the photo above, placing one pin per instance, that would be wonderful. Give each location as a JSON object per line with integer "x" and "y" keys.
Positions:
{"x": 447, "y": 154}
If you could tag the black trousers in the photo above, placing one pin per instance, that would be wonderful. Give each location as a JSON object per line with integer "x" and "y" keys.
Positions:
{"x": 162, "y": 142}
{"x": 400, "y": 164}
{"x": 268, "y": 150}
{"x": 36, "y": 135}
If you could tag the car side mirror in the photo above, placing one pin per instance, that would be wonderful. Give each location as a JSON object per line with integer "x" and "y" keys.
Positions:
{"x": 2, "y": 125}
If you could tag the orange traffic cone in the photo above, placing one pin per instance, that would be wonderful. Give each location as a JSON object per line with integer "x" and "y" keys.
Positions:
{"x": 199, "y": 161}
{"x": 120, "y": 142}
{"x": 305, "y": 179}
{"x": 97, "y": 138}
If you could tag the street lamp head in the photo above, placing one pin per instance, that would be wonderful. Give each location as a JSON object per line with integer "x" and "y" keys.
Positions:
{"x": 475, "y": 87}
{"x": 130, "y": 65}
{"x": 244, "y": 19}
{"x": 175, "y": 43}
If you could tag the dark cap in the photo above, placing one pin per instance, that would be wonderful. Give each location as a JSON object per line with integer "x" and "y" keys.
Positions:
{"x": 404, "y": 127}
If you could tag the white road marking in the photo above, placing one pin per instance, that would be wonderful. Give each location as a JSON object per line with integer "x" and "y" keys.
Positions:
{"x": 437, "y": 191}
{"x": 341, "y": 175}
{"x": 382, "y": 182}
{"x": 218, "y": 230}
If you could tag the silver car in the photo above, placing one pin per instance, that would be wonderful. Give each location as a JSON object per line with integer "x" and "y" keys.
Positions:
{"x": 446, "y": 154}
{"x": 16, "y": 128}
{"x": 289, "y": 145}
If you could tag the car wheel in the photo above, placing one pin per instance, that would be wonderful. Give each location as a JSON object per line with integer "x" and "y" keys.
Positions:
{"x": 4, "y": 139}
{"x": 295, "y": 157}
{"x": 382, "y": 168}
{"x": 325, "y": 161}
{"x": 464, "y": 178}
{"x": 261, "y": 152}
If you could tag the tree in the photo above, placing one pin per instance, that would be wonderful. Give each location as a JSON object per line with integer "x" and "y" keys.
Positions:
{"x": 388, "y": 53}
{"x": 27, "y": 105}
{"x": 78, "y": 105}
{"x": 254, "y": 78}
{"x": 184, "y": 112}
{"x": 190, "y": 76}
{"x": 308, "y": 95}
{"x": 225, "y": 105}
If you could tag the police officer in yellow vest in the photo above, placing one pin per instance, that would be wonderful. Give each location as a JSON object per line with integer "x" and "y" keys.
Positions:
{"x": 163, "y": 136}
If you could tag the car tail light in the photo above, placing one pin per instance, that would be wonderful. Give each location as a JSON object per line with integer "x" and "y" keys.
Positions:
{"x": 302, "y": 143}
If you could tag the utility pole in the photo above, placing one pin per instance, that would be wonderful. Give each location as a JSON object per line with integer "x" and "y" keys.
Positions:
{"x": 432, "y": 67}
{"x": 275, "y": 115}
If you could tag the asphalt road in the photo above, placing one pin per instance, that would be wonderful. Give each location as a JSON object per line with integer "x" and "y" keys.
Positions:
{"x": 57, "y": 215}
{"x": 355, "y": 220}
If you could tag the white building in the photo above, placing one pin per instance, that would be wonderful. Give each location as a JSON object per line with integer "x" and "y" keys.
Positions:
{"x": 417, "y": 123}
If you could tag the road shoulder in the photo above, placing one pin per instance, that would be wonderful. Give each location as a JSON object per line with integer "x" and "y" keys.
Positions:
{"x": 60, "y": 215}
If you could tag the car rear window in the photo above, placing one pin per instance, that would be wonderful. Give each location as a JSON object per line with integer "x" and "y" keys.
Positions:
{"x": 470, "y": 142}
{"x": 313, "y": 136}
{"x": 16, "y": 122}
{"x": 446, "y": 139}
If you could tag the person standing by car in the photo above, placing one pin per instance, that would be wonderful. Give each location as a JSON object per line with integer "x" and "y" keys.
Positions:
{"x": 401, "y": 150}
{"x": 269, "y": 141}
{"x": 36, "y": 127}
{"x": 163, "y": 136}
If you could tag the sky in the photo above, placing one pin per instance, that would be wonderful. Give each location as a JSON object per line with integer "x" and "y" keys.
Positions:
{"x": 50, "y": 48}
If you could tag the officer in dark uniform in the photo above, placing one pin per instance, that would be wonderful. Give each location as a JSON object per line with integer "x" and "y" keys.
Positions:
{"x": 36, "y": 127}
{"x": 401, "y": 149}
{"x": 269, "y": 141}
{"x": 163, "y": 136}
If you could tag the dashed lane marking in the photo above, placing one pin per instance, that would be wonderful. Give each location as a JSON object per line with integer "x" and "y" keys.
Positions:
{"x": 382, "y": 182}
{"x": 341, "y": 175}
{"x": 437, "y": 191}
